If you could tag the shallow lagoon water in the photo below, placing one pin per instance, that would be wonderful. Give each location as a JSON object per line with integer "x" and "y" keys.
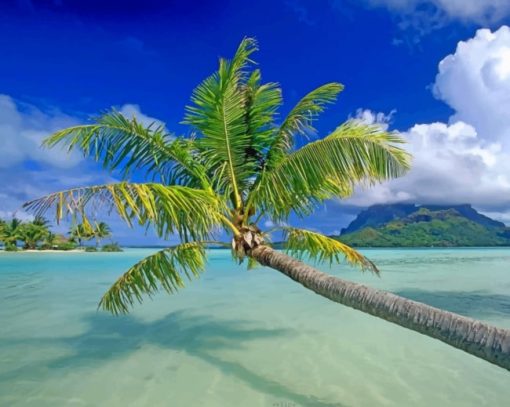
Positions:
{"x": 243, "y": 338}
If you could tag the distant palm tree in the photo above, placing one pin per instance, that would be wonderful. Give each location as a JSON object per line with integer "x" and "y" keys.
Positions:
{"x": 50, "y": 240}
{"x": 41, "y": 221}
{"x": 101, "y": 231}
{"x": 10, "y": 233}
{"x": 3, "y": 225}
{"x": 81, "y": 232}
{"x": 31, "y": 233}
{"x": 241, "y": 166}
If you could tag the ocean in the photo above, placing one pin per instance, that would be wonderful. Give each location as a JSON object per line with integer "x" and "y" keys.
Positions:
{"x": 243, "y": 338}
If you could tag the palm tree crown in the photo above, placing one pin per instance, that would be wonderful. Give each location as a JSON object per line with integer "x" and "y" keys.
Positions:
{"x": 10, "y": 232}
{"x": 240, "y": 165}
{"x": 81, "y": 231}
{"x": 101, "y": 231}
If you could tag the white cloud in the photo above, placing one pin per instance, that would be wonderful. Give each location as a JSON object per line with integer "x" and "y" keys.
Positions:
{"x": 22, "y": 129}
{"x": 468, "y": 159}
{"x": 475, "y": 82}
{"x": 417, "y": 18}
{"x": 451, "y": 164}
{"x": 131, "y": 110}
{"x": 27, "y": 170}
{"x": 367, "y": 116}
{"x": 478, "y": 11}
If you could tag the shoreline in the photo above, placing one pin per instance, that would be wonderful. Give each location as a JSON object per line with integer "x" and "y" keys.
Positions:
{"x": 45, "y": 251}
{"x": 369, "y": 248}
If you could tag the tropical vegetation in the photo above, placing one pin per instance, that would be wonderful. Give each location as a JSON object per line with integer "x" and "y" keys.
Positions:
{"x": 10, "y": 233}
{"x": 36, "y": 235}
{"x": 111, "y": 247}
{"x": 241, "y": 165}
{"x": 101, "y": 231}
{"x": 33, "y": 233}
{"x": 80, "y": 233}
{"x": 30, "y": 234}
{"x": 85, "y": 231}
{"x": 424, "y": 226}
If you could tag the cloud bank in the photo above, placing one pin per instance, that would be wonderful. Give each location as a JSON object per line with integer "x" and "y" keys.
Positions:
{"x": 23, "y": 127}
{"x": 467, "y": 159}
{"x": 417, "y": 18}
{"x": 477, "y": 11}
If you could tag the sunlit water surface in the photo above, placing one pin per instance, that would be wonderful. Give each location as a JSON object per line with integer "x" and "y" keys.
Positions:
{"x": 243, "y": 338}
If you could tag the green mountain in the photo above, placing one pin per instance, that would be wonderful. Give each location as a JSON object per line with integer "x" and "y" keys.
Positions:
{"x": 409, "y": 225}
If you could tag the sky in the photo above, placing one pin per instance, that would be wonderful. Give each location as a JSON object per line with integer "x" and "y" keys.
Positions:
{"x": 437, "y": 71}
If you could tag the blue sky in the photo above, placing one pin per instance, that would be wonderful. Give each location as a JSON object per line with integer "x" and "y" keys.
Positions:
{"x": 64, "y": 61}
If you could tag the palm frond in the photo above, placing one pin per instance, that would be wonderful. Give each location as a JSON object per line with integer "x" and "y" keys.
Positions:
{"x": 218, "y": 114}
{"x": 192, "y": 213}
{"x": 354, "y": 153}
{"x": 302, "y": 242}
{"x": 300, "y": 119}
{"x": 252, "y": 264}
{"x": 261, "y": 104}
{"x": 116, "y": 141}
{"x": 165, "y": 269}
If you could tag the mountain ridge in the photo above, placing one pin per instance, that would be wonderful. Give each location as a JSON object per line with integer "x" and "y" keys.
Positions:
{"x": 412, "y": 225}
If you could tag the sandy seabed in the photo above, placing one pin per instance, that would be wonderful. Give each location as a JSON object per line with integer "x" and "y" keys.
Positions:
{"x": 239, "y": 338}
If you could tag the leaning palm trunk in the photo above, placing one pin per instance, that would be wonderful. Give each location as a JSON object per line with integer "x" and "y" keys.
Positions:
{"x": 475, "y": 337}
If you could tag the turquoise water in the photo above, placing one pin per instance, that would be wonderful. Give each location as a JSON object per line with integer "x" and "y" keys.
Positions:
{"x": 239, "y": 338}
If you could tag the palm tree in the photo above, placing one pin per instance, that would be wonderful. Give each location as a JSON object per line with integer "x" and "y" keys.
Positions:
{"x": 101, "y": 231}
{"x": 10, "y": 233}
{"x": 241, "y": 166}
{"x": 3, "y": 225}
{"x": 41, "y": 221}
{"x": 80, "y": 232}
{"x": 32, "y": 233}
{"x": 50, "y": 240}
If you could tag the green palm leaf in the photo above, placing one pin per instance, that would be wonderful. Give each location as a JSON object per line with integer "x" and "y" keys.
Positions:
{"x": 301, "y": 243}
{"x": 165, "y": 269}
{"x": 261, "y": 104}
{"x": 191, "y": 213}
{"x": 219, "y": 116}
{"x": 300, "y": 119}
{"x": 116, "y": 141}
{"x": 353, "y": 153}
{"x": 298, "y": 122}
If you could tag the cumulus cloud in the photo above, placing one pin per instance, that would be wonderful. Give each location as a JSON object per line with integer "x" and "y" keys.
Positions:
{"x": 475, "y": 82}
{"x": 22, "y": 129}
{"x": 451, "y": 164}
{"x": 28, "y": 171}
{"x": 466, "y": 160}
{"x": 369, "y": 117}
{"x": 132, "y": 110}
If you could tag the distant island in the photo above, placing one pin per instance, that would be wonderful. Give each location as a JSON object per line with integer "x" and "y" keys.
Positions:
{"x": 412, "y": 225}
{"x": 36, "y": 235}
